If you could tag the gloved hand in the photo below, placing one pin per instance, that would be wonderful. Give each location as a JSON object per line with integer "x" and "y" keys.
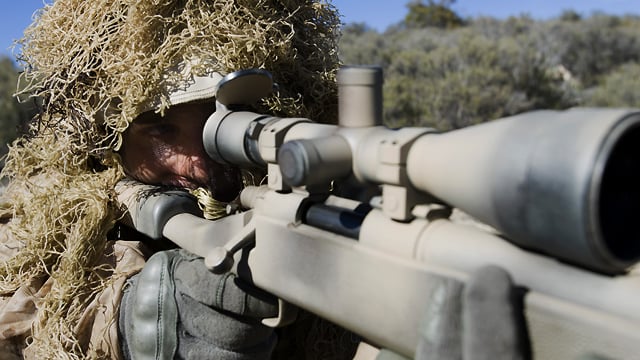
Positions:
{"x": 176, "y": 309}
{"x": 479, "y": 320}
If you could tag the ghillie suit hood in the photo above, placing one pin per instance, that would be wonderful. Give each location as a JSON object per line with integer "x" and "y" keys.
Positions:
{"x": 94, "y": 66}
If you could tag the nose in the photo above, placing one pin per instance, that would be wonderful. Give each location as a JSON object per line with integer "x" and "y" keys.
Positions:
{"x": 189, "y": 160}
{"x": 192, "y": 163}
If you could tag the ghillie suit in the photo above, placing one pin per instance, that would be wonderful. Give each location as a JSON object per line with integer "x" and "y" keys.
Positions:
{"x": 94, "y": 66}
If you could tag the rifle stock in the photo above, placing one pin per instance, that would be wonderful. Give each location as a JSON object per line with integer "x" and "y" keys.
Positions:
{"x": 381, "y": 289}
{"x": 380, "y": 286}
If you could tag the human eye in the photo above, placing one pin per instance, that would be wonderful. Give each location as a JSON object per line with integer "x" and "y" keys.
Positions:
{"x": 160, "y": 129}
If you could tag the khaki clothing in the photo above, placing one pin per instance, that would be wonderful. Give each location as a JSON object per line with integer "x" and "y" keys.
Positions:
{"x": 98, "y": 327}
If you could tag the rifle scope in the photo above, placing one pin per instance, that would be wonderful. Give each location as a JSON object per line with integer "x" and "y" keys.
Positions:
{"x": 564, "y": 183}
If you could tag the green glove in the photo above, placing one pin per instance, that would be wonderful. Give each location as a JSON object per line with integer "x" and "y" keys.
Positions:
{"x": 176, "y": 309}
{"x": 479, "y": 320}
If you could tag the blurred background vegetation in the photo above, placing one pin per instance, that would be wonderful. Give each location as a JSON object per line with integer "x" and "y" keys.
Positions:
{"x": 448, "y": 72}
{"x": 445, "y": 71}
{"x": 14, "y": 115}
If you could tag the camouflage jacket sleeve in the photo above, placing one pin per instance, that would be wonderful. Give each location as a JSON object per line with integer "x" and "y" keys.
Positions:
{"x": 97, "y": 329}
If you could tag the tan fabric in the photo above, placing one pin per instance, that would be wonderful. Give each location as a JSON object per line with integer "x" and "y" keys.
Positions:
{"x": 97, "y": 331}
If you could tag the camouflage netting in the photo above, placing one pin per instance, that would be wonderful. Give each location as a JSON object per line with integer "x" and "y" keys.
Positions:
{"x": 95, "y": 65}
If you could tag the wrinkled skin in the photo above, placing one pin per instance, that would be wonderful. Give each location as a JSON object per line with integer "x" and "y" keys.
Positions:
{"x": 168, "y": 150}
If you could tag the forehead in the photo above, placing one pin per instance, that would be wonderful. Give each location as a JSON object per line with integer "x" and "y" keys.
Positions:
{"x": 178, "y": 113}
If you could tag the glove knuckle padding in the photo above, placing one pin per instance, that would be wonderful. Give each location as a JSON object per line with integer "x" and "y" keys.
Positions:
{"x": 492, "y": 318}
{"x": 477, "y": 320}
{"x": 153, "y": 311}
{"x": 178, "y": 309}
{"x": 442, "y": 323}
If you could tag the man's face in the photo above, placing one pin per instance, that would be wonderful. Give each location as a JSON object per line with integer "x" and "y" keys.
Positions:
{"x": 168, "y": 150}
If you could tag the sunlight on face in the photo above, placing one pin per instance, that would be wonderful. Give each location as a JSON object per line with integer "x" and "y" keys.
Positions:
{"x": 168, "y": 150}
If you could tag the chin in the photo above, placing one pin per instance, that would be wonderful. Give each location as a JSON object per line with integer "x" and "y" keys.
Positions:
{"x": 226, "y": 183}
